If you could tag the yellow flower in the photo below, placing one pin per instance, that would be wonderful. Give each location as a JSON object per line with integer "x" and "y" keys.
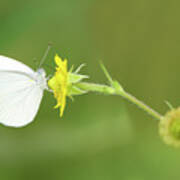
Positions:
{"x": 59, "y": 83}
{"x": 65, "y": 83}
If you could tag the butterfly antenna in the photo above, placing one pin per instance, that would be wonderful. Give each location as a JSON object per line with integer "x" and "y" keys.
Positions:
{"x": 45, "y": 55}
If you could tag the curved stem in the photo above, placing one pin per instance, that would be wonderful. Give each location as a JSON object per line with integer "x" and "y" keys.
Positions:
{"x": 142, "y": 105}
{"x": 112, "y": 91}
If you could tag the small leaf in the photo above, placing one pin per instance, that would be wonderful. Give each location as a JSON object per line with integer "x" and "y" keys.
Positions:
{"x": 106, "y": 73}
{"x": 169, "y": 105}
{"x": 75, "y": 78}
{"x": 79, "y": 68}
{"x": 73, "y": 90}
{"x": 117, "y": 86}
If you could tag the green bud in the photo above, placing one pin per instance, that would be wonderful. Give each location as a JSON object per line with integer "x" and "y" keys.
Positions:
{"x": 170, "y": 127}
{"x": 175, "y": 128}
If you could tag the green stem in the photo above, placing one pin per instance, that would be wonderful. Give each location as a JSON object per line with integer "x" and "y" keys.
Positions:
{"x": 112, "y": 91}
{"x": 141, "y": 105}
{"x": 95, "y": 88}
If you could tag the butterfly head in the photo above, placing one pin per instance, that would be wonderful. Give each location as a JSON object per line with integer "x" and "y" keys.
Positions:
{"x": 41, "y": 72}
{"x": 41, "y": 79}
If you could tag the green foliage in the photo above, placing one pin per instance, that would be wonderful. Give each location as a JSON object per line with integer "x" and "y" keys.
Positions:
{"x": 98, "y": 138}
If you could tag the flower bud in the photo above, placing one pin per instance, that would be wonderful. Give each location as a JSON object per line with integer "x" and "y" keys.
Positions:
{"x": 169, "y": 127}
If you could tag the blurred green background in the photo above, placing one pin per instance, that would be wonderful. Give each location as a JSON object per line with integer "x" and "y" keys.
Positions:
{"x": 99, "y": 137}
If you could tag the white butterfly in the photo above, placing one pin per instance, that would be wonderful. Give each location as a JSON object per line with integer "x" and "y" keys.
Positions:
{"x": 21, "y": 92}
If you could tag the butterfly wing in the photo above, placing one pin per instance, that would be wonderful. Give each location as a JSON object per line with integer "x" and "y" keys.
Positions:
{"x": 20, "y": 96}
{"x": 9, "y": 64}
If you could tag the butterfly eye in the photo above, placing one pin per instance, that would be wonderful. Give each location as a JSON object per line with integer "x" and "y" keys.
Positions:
{"x": 42, "y": 72}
